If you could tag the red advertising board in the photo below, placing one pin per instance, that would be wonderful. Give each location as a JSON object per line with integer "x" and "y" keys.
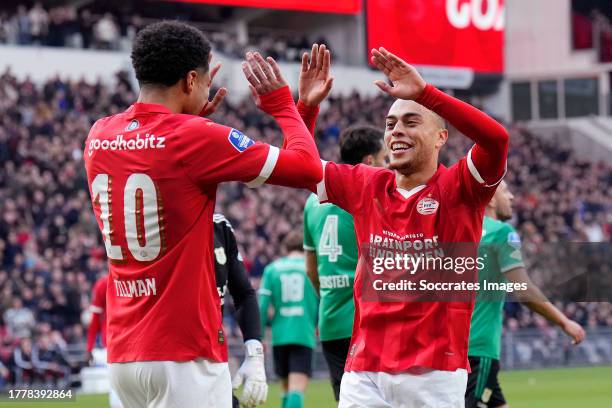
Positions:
{"x": 445, "y": 33}
{"x": 323, "y": 6}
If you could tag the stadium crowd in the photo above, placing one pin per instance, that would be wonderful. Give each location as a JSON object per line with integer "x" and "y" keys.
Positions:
{"x": 69, "y": 26}
{"x": 51, "y": 251}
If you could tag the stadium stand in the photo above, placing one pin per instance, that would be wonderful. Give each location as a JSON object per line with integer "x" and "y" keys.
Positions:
{"x": 51, "y": 251}
{"x": 69, "y": 26}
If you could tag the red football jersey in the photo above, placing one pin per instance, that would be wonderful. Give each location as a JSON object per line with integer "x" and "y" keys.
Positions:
{"x": 396, "y": 336}
{"x": 153, "y": 178}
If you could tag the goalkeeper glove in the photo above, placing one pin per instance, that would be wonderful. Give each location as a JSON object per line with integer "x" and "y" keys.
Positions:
{"x": 252, "y": 374}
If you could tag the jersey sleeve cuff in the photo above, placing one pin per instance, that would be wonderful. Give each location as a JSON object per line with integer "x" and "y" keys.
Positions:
{"x": 321, "y": 190}
{"x": 510, "y": 267}
{"x": 304, "y": 109}
{"x": 276, "y": 100}
{"x": 267, "y": 169}
{"x": 308, "y": 247}
{"x": 428, "y": 97}
{"x": 474, "y": 172}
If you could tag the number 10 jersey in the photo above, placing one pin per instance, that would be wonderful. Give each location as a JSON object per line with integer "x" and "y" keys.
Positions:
{"x": 153, "y": 178}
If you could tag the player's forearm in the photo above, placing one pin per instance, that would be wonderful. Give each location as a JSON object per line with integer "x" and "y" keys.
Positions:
{"x": 263, "y": 313}
{"x": 92, "y": 331}
{"x": 309, "y": 115}
{"x": 298, "y": 163}
{"x": 548, "y": 311}
{"x": 536, "y": 301}
{"x": 248, "y": 318}
{"x": 491, "y": 138}
{"x": 312, "y": 269}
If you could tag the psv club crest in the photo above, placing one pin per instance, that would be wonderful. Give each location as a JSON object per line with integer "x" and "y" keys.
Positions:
{"x": 427, "y": 206}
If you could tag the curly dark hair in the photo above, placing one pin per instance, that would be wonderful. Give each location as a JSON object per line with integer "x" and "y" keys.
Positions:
{"x": 166, "y": 51}
{"x": 358, "y": 141}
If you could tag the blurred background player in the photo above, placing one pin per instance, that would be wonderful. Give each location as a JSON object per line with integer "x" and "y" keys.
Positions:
{"x": 331, "y": 253}
{"x": 286, "y": 288}
{"x": 231, "y": 276}
{"x": 163, "y": 290}
{"x": 500, "y": 249}
{"x": 97, "y": 326}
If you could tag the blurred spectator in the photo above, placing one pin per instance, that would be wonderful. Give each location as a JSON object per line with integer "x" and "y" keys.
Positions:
{"x": 19, "y": 320}
{"x": 86, "y": 28}
{"x": 22, "y": 360}
{"x": 38, "y": 23}
{"x": 5, "y": 375}
{"x": 106, "y": 32}
{"x": 49, "y": 362}
{"x": 24, "y": 24}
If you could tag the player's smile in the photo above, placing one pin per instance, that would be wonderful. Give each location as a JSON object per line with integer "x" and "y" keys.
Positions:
{"x": 397, "y": 148}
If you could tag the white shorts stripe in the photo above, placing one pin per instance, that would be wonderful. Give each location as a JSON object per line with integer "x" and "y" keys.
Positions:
{"x": 321, "y": 191}
{"x": 267, "y": 169}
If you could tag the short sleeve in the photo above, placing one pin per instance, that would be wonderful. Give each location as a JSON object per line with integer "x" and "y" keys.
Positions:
{"x": 344, "y": 185}
{"x": 98, "y": 301}
{"x": 308, "y": 241}
{"x": 213, "y": 153}
{"x": 265, "y": 288}
{"x": 509, "y": 249}
{"x": 464, "y": 182}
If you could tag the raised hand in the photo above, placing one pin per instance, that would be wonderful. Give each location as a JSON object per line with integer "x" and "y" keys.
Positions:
{"x": 406, "y": 82}
{"x": 315, "y": 80}
{"x": 211, "y": 106}
{"x": 264, "y": 76}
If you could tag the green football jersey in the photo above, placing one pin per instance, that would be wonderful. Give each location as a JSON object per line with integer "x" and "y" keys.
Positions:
{"x": 500, "y": 247}
{"x": 329, "y": 231}
{"x": 286, "y": 287}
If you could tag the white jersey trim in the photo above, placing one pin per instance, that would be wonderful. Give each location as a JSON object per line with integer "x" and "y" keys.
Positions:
{"x": 407, "y": 193}
{"x": 474, "y": 171}
{"x": 220, "y": 218}
{"x": 510, "y": 267}
{"x": 308, "y": 247}
{"x": 265, "y": 292}
{"x": 321, "y": 189}
{"x": 267, "y": 169}
{"x": 95, "y": 309}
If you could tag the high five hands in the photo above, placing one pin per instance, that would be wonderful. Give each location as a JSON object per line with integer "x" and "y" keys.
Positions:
{"x": 406, "y": 82}
{"x": 264, "y": 76}
{"x": 315, "y": 79}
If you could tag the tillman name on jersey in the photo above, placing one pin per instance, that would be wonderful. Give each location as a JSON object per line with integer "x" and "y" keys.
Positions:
{"x": 135, "y": 288}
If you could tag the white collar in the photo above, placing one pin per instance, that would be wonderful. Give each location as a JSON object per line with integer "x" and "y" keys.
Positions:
{"x": 407, "y": 193}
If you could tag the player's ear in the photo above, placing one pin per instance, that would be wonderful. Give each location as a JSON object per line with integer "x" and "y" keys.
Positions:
{"x": 442, "y": 137}
{"x": 492, "y": 204}
{"x": 190, "y": 81}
